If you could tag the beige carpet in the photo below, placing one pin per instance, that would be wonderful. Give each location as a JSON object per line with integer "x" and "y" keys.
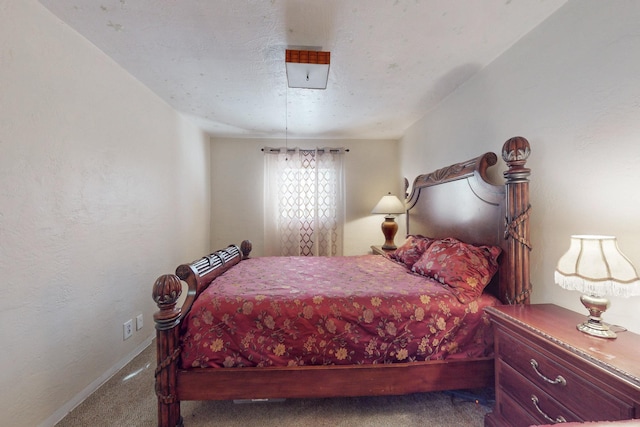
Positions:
{"x": 128, "y": 399}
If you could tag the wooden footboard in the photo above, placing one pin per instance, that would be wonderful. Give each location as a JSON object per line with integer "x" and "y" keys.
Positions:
{"x": 166, "y": 291}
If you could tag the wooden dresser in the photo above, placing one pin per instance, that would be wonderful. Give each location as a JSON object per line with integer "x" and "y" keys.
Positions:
{"x": 549, "y": 372}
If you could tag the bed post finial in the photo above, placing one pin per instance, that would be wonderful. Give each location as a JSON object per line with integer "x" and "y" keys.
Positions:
{"x": 166, "y": 291}
{"x": 245, "y": 248}
{"x": 515, "y": 153}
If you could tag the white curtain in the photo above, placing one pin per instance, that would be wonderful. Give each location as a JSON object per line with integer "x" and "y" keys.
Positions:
{"x": 303, "y": 201}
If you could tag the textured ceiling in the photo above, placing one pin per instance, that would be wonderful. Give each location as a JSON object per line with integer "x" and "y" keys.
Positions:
{"x": 221, "y": 62}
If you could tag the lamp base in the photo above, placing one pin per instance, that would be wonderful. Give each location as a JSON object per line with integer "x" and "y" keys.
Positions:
{"x": 601, "y": 330}
{"x": 389, "y": 229}
{"x": 594, "y": 325}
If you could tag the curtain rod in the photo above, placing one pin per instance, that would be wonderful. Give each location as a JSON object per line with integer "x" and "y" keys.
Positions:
{"x": 322, "y": 150}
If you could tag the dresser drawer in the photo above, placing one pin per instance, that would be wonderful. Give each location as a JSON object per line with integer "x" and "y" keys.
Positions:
{"x": 557, "y": 378}
{"x": 512, "y": 413}
{"x": 537, "y": 403}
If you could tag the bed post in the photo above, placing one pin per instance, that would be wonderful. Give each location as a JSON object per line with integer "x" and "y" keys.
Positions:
{"x": 515, "y": 153}
{"x": 166, "y": 291}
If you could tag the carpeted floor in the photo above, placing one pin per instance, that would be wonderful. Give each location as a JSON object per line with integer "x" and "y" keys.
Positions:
{"x": 128, "y": 399}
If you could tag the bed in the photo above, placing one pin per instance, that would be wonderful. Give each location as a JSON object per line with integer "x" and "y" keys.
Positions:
{"x": 455, "y": 205}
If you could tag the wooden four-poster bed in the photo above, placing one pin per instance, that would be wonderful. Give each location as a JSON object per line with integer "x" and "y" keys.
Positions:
{"x": 386, "y": 346}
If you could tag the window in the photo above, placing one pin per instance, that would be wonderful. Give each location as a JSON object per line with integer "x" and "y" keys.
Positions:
{"x": 304, "y": 202}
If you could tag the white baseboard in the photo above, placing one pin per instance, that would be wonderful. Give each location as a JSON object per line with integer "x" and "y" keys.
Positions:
{"x": 80, "y": 397}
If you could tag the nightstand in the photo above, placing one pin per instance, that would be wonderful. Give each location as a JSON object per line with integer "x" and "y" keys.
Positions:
{"x": 377, "y": 250}
{"x": 549, "y": 372}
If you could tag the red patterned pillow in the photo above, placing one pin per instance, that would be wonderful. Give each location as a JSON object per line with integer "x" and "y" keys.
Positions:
{"x": 466, "y": 268}
{"x": 411, "y": 250}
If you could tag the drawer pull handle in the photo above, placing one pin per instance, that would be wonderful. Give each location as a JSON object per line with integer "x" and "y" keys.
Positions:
{"x": 560, "y": 418}
{"x": 559, "y": 379}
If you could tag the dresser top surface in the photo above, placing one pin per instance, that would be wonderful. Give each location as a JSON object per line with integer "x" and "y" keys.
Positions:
{"x": 621, "y": 355}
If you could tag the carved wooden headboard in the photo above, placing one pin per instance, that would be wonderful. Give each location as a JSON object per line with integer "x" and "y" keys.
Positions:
{"x": 460, "y": 201}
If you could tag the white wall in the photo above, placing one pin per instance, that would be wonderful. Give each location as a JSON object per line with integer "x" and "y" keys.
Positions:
{"x": 371, "y": 169}
{"x": 93, "y": 169}
{"x": 572, "y": 87}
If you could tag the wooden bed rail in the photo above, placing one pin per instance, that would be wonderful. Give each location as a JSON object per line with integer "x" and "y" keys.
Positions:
{"x": 166, "y": 291}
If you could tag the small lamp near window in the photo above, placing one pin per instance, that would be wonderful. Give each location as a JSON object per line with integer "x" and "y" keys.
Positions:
{"x": 390, "y": 206}
{"x": 595, "y": 266}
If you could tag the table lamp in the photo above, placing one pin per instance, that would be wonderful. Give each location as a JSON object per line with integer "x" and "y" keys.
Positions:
{"x": 390, "y": 206}
{"x": 595, "y": 266}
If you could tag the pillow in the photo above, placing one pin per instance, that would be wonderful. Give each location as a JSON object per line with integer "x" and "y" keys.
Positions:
{"x": 411, "y": 250}
{"x": 466, "y": 268}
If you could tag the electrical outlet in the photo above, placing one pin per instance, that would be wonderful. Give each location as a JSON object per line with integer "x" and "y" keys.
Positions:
{"x": 139, "y": 322}
{"x": 128, "y": 329}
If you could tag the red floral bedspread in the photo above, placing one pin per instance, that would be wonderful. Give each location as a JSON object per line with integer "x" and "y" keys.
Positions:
{"x": 287, "y": 311}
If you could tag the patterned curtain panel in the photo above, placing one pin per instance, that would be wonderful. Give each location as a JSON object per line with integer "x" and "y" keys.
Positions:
{"x": 304, "y": 202}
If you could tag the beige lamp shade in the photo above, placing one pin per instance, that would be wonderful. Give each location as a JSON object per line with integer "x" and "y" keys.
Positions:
{"x": 594, "y": 265}
{"x": 389, "y": 205}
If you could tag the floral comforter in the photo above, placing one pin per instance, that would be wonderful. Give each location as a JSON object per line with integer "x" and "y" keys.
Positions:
{"x": 288, "y": 311}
